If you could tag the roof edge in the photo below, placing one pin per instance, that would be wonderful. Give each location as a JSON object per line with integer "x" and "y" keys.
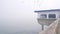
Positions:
{"x": 48, "y": 10}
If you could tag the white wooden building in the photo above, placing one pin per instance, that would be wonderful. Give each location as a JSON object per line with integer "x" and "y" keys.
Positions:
{"x": 46, "y": 17}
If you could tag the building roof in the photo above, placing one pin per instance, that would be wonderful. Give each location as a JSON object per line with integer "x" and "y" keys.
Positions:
{"x": 48, "y": 10}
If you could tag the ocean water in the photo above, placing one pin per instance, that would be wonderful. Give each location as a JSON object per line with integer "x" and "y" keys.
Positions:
{"x": 19, "y": 30}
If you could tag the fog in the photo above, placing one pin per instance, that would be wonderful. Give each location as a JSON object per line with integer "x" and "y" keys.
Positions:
{"x": 17, "y": 16}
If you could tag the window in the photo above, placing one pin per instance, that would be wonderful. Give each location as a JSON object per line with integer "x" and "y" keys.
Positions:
{"x": 43, "y": 16}
{"x": 52, "y": 16}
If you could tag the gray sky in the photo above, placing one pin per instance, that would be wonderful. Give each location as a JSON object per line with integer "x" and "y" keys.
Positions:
{"x": 19, "y": 14}
{"x": 48, "y": 4}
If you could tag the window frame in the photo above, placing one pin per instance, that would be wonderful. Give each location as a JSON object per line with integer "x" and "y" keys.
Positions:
{"x": 43, "y": 15}
{"x": 51, "y": 15}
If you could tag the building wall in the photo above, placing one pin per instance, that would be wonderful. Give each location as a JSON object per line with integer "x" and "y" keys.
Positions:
{"x": 47, "y": 13}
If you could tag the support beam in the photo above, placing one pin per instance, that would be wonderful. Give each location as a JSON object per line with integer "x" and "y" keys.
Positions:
{"x": 42, "y": 27}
